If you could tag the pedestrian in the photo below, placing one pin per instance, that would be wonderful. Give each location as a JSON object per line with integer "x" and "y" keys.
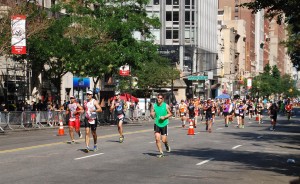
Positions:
{"x": 74, "y": 109}
{"x": 161, "y": 112}
{"x": 119, "y": 108}
{"x": 91, "y": 107}
{"x": 208, "y": 115}
{"x": 273, "y": 115}
{"x": 182, "y": 111}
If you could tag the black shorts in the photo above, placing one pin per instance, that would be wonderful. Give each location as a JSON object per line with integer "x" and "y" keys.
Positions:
{"x": 259, "y": 112}
{"x": 208, "y": 116}
{"x": 93, "y": 127}
{"x": 225, "y": 114}
{"x": 161, "y": 130}
{"x": 274, "y": 117}
{"x": 119, "y": 117}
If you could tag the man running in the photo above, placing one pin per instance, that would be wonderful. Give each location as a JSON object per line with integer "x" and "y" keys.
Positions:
{"x": 288, "y": 109}
{"x": 91, "y": 107}
{"x": 208, "y": 115}
{"x": 182, "y": 112}
{"x": 191, "y": 112}
{"x": 273, "y": 115}
{"x": 161, "y": 112}
{"x": 119, "y": 108}
{"x": 74, "y": 109}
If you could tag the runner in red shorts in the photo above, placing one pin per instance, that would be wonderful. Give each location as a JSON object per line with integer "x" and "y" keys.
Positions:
{"x": 74, "y": 109}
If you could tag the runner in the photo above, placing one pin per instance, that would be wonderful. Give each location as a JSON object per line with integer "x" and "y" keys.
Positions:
{"x": 196, "y": 105}
{"x": 250, "y": 109}
{"x": 91, "y": 107}
{"x": 119, "y": 107}
{"x": 208, "y": 115}
{"x": 273, "y": 115}
{"x": 225, "y": 108}
{"x": 237, "y": 113}
{"x": 191, "y": 111}
{"x": 182, "y": 111}
{"x": 213, "y": 111}
{"x": 288, "y": 109}
{"x": 74, "y": 109}
{"x": 242, "y": 108}
{"x": 259, "y": 109}
{"x": 161, "y": 112}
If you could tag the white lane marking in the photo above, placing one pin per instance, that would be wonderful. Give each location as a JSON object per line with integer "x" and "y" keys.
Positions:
{"x": 205, "y": 161}
{"x": 260, "y": 137}
{"x": 152, "y": 142}
{"x": 88, "y": 156}
{"x": 236, "y": 146}
{"x": 219, "y": 128}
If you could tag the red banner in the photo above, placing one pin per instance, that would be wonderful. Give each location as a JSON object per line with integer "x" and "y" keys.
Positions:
{"x": 124, "y": 70}
{"x": 18, "y": 30}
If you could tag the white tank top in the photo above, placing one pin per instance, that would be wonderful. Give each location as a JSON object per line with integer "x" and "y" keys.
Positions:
{"x": 91, "y": 116}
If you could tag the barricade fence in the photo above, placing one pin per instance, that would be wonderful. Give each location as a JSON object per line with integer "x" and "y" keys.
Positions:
{"x": 40, "y": 119}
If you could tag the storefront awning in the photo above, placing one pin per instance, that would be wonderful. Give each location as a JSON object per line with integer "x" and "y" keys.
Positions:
{"x": 179, "y": 83}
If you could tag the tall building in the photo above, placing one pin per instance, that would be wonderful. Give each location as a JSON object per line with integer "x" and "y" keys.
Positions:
{"x": 246, "y": 15}
{"x": 188, "y": 33}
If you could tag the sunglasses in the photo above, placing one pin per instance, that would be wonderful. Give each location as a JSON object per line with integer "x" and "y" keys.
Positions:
{"x": 160, "y": 98}
{"x": 88, "y": 94}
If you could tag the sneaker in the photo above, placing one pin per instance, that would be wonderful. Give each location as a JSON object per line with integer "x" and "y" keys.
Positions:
{"x": 168, "y": 148}
{"x": 87, "y": 149}
{"x": 73, "y": 142}
{"x": 183, "y": 126}
{"x": 237, "y": 126}
{"x": 95, "y": 148}
{"x": 160, "y": 155}
{"x": 243, "y": 126}
{"x": 80, "y": 134}
{"x": 121, "y": 139}
{"x": 226, "y": 125}
{"x": 272, "y": 129}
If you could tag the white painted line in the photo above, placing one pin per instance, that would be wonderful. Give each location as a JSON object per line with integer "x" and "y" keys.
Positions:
{"x": 88, "y": 156}
{"x": 236, "y": 146}
{"x": 219, "y": 128}
{"x": 152, "y": 142}
{"x": 259, "y": 137}
{"x": 205, "y": 161}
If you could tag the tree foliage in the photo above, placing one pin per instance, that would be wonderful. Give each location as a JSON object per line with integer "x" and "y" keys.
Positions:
{"x": 286, "y": 11}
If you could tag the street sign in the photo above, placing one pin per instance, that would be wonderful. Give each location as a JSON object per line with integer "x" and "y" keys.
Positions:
{"x": 197, "y": 77}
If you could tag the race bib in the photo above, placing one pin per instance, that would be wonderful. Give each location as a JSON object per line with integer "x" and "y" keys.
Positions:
{"x": 182, "y": 114}
{"x": 241, "y": 114}
{"x": 91, "y": 121}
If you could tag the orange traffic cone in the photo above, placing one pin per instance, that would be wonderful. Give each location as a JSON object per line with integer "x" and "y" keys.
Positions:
{"x": 191, "y": 128}
{"x": 61, "y": 130}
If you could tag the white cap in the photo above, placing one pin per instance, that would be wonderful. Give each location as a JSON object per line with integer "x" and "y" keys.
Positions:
{"x": 89, "y": 92}
{"x": 117, "y": 92}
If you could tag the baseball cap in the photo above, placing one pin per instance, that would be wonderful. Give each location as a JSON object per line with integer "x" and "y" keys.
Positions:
{"x": 89, "y": 92}
{"x": 72, "y": 97}
{"x": 117, "y": 92}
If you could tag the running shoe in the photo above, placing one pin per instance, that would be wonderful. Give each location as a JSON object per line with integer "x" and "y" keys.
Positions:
{"x": 226, "y": 125}
{"x": 73, "y": 142}
{"x": 121, "y": 139}
{"x": 80, "y": 134}
{"x": 168, "y": 148}
{"x": 160, "y": 155}
{"x": 87, "y": 149}
{"x": 183, "y": 126}
{"x": 243, "y": 126}
{"x": 95, "y": 148}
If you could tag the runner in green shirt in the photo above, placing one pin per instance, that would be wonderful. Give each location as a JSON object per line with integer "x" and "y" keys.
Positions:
{"x": 161, "y": 112}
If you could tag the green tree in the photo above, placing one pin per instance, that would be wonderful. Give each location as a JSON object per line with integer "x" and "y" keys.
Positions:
{"x": 286, "y": 11}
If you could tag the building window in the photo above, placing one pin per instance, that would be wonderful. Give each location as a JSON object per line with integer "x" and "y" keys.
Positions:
{"x": 168, "y": 34}
{"x": 187, "y": 2}
{"x": 176, "y": 16}
{"x": 175, "y": 34}
{"x": 168, "y": 2}
{"x": 175, "y": 2}
{"x": 236, "y": 8}
{"x": 155, "y": 2}
{"x": 168, "y": 16}
{"x": 221, "y": 12}
{"x": 187, "y": 16}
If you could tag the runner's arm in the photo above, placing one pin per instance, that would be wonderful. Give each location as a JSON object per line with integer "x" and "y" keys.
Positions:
{"x": 98, "y": 108}
{"x": 152, "y": 112}
{"x": 80, "y": 108}
{"x": 168, "y": 115}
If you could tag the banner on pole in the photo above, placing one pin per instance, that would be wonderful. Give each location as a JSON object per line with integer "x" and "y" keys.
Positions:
{"x": 124, "y": 70}
{"x": 249, "y": 83}
{"x": 18, "y": 38}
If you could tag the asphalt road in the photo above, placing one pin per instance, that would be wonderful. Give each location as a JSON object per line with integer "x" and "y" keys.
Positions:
{"x": 227, "y": 155}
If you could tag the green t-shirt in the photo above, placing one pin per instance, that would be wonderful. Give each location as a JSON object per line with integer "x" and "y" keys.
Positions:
{"x": 161, "y": 111}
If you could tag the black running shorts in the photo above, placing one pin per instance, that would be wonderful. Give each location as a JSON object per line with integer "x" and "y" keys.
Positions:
{"x": 161, "y": 130}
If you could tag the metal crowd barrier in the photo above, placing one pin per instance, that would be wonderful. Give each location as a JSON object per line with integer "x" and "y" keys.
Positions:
{"x": 40, "y": 119}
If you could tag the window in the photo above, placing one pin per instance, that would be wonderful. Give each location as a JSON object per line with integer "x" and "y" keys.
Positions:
{"x": 221, "y": 12}
{"x": 187, "y": 16}
{"x": 236, "y": 8}
{"x": 175, "y": 2}
{"x": 156, "y": 2}
{"x": 168, "y": 16}
{"x": 176, "y": 16}
{"x": 168, "y": 34}
{"x": 168, "y": 2}
{"x": 175, "y": 34}
{"x": 187, "y": 2}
